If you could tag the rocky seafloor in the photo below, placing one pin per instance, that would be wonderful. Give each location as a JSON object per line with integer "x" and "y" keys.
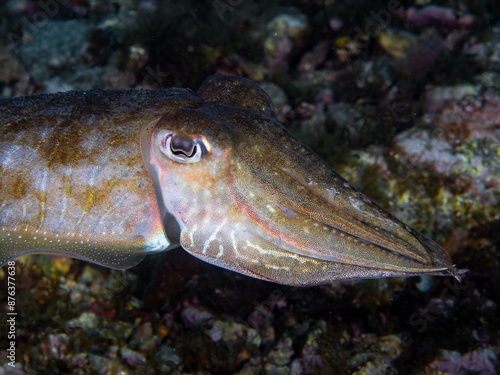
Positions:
{"x": 402, "y": 98}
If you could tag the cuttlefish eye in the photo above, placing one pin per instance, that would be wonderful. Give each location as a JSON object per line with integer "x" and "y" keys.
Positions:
{"x": 185, "y": 149}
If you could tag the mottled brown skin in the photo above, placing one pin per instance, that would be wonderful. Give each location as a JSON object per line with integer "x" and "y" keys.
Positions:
{"x": 72, "y": 178}
{"x": 218, "y": 174}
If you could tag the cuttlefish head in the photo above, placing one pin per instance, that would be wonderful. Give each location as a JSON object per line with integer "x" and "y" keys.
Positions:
{"x": 246, "y": 195}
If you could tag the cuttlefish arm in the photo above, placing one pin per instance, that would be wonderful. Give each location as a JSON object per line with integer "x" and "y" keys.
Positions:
{"x": 218, "y": 175}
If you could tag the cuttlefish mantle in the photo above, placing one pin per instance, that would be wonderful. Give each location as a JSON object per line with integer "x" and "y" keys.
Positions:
{"x": 112, "y": 176}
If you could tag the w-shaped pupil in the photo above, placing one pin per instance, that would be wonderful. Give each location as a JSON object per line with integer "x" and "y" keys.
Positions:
{"x": 186, "y": 147}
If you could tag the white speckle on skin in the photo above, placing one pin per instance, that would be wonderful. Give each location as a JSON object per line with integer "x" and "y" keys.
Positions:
{"x": 213, "y": 236}
{"x": 277, "y": 267}
{"x": 256, "y": 247}
{"x": 221, "y": 251}
{"x": 333, "y": 192}
{"x": 191, "y": 233}
{"x": 234, "y": 243}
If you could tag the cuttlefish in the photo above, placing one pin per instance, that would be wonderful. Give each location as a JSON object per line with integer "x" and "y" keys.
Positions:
{"x": 112, "y": 176}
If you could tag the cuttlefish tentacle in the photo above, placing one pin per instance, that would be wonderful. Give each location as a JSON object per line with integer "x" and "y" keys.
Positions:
{"x": 213, "y": 171}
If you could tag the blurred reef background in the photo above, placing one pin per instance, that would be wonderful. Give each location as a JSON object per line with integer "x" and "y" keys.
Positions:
{"x": 402, "y": 98}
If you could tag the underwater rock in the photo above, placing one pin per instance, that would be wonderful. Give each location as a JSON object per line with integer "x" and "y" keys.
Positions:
{"x": 354, "y": 125}
{"x": 286, "y": 36}
{"x": 131, "y": 357}
{"x": 80, "y": 294}
{"x": 412, "y": 54}
{"x": 90, "y": 275}
{"x": 168, "y": 358}
{"x": 193, "y": 317}
{"x": 395, "y": 42}
{"x": 346, "y": 48}
{"x": 237, "y": 65}
{"x": 435, "y": 97}
{"x": 143, "y": 339}
{"x": 16, "y": 6}
{"x": 58, "y": 345}
{"x": 313, "y": 119}
{"x": 144, "y": 331}
{"x": 435, "y": 15}
{"x": 232, "y": 331}
{"x": 425, "y": 284}
{"x": 310, "y": 359}
{"x": 376, "y": 73}
{"x": 312, "y": 59}
{"x": 485, "y": 51}
{"x": 6, "y": 369}
{"x": 12, "y": 74}
{"x": 457, "y": 151}
{"x": 55, "y": 49}
{"x": 231, "y": 345}
{"x": 280, "y": 355}
{"x": 373, "y": 355}
{"x": 87, "y": 363}
{"x": 88, "y": 322}
{"x": 276, "y": 93}
{"x": 452, "y": 362}
{"x": 488, "y": 79}
{"x": 275, "y": 370}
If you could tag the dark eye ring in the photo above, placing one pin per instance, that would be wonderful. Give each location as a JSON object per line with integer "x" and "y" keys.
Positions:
{"x": 185, "y": 150}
